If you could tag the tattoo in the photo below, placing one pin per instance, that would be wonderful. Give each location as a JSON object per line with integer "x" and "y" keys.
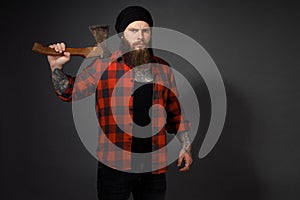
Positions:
{"x": 60, "y": 81}
{"x": 185, "y": 141}
{"x": 143, "y": 73}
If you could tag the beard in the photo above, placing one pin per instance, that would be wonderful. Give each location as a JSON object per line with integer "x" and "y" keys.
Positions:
{"x": 135, "y": 57}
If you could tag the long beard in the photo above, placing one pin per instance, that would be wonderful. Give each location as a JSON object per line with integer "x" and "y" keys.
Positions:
{"x": 135, "y": 58}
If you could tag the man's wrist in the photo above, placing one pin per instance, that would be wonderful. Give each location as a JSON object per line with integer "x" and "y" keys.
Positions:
{"x": 59, "y": 67}
{"x": 185, "y": 141}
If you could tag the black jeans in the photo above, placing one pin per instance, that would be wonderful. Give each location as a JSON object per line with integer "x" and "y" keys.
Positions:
{"x": 117, "y": 185}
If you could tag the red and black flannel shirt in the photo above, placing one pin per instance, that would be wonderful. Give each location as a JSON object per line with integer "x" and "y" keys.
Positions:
{"x": 114, "y": 99}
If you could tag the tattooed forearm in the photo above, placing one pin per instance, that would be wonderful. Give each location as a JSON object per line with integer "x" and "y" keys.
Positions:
{"x": 60, "y": 81}
{"x": 185, "y": 141}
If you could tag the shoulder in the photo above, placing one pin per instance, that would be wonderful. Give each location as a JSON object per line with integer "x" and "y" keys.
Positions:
{"x": 161, "y": 61}
{"x": 163, "y": 69}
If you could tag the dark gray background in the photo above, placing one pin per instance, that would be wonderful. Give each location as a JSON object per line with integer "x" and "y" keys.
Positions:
{"x": 255, "y": 45}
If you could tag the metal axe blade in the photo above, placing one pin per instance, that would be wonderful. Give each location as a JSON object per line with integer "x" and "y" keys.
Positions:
{"x": 100, "y": 33}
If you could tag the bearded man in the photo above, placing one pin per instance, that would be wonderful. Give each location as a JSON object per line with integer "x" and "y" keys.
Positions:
{"x": 136, "y": 73}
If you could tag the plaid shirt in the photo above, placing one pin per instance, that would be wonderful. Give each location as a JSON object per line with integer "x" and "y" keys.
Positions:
{"x": 114, "y": 108}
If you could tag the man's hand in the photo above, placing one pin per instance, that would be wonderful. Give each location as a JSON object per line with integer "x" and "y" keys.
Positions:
{"x": 185, "y": 154}
{"x": 186, "y": 158}
{"x": 58, "y": 61}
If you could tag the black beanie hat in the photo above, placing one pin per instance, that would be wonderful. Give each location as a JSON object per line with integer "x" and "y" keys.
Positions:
{"x": 131, "y": 14}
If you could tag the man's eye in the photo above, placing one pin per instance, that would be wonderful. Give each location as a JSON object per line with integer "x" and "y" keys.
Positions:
{"x": 134, "y": 30}
{"x": 146, "y": 30}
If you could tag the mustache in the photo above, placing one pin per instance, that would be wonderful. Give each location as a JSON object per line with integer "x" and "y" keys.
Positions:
{"x": 139, "y": 43}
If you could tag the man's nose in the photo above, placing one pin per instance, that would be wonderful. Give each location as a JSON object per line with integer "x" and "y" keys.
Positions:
{"x": 140, "y": 35}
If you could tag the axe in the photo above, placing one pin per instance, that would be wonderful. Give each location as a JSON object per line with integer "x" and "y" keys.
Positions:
{"x": 100, "y": 33}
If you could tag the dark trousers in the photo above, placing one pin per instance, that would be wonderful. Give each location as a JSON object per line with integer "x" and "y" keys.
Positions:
{"x": 117, "y": 185}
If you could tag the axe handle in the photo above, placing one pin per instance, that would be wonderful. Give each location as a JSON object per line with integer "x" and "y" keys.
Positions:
{"x": 83, "y": 52}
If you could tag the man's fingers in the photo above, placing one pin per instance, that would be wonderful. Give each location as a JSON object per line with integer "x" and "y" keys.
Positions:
{"x": 185, "y": 168}
{"x": 187, "y": 162}
{"x": 63, "y": 46}
{"x": 67, "y": 54}
{"x": 179, "y": 161}
{"x": 58, "y": 47}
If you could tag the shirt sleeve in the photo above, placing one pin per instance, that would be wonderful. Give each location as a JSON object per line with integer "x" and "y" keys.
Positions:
{"x": 84, "y": 84}
{"x": 176, "y": 121}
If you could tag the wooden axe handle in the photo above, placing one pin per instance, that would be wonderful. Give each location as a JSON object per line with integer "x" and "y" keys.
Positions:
{"x": 83, "y": 52}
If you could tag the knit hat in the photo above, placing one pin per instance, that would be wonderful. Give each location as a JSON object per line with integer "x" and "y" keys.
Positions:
{"x": 131, "y": 14}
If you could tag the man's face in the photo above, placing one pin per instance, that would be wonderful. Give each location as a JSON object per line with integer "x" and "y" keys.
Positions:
{"x": 138, "y": 35}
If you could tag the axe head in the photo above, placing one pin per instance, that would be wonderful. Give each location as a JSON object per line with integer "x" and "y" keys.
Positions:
{"x": 100, "y": 33}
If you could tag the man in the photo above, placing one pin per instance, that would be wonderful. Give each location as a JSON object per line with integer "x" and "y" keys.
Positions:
{"x": 140, "y": 72}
